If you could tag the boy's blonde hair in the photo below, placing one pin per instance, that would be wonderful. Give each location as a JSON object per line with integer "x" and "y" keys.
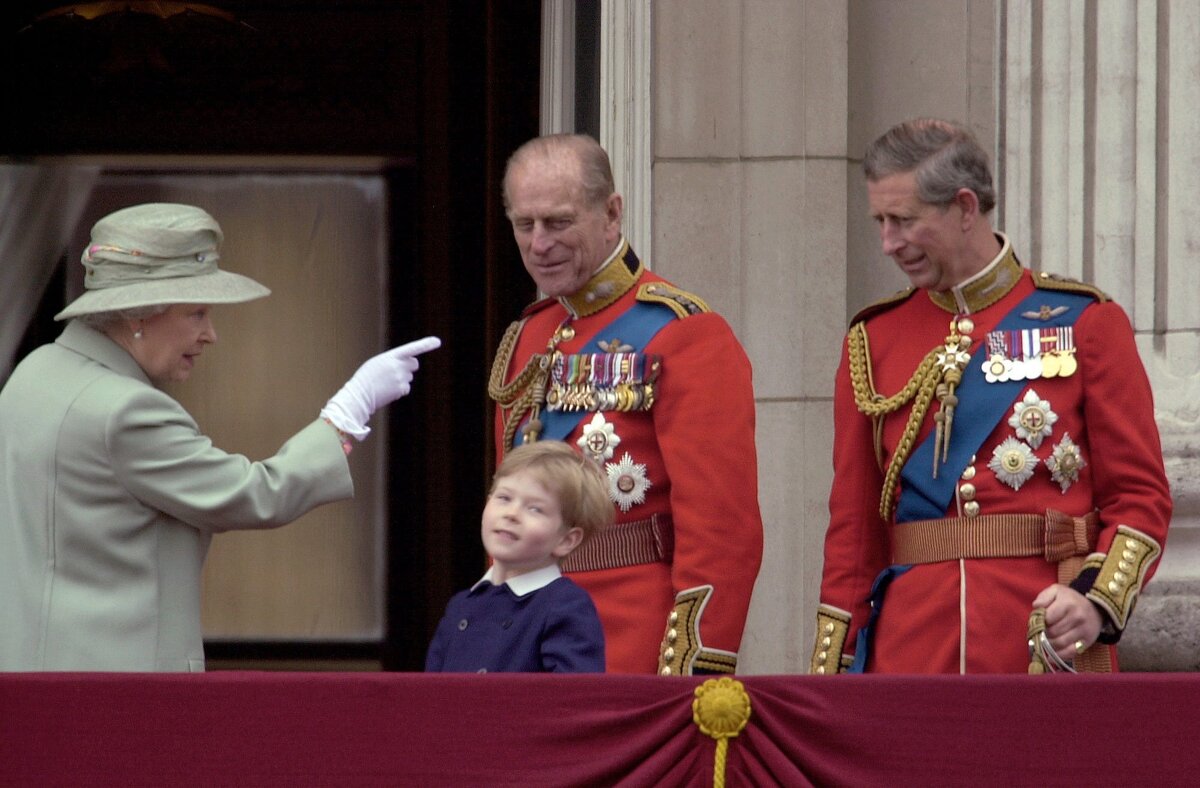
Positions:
{"x": 580, "y": 486}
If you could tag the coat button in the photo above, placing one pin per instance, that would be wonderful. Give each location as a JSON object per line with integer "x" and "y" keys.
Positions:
{"x": 462, "y": 625}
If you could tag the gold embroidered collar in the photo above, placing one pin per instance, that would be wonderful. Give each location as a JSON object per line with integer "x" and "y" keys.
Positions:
{"x": 613, "y": 280}
{"x": 986, "y": 287}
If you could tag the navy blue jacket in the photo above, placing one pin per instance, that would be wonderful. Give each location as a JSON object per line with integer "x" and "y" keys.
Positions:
{"x": 553, "y": 628}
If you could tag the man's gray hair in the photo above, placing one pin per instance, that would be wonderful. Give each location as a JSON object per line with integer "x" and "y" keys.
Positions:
{"x": 595, "y": 179}
{"x": 944, "y": 156}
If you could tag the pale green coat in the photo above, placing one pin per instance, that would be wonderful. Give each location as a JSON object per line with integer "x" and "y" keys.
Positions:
{"x": 109, "y": 496}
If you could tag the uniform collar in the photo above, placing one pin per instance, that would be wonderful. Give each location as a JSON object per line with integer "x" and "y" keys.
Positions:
{"x": 526, "y": 583}
{"x": 984, "y": 288}
{"x": 616, "y": 277}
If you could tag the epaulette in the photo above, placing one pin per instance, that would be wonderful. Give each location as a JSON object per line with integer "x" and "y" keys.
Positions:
{"x": 883, "y": 304}
{"x": 681, "y": 302}
{"x": 538, "y": 306}
{"x": 1045, "y": 281}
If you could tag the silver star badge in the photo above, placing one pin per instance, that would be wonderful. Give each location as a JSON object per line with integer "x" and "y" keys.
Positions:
{"x": 1065, "y": 462}
{"x": 1013, "y": 462}
{"x": 627, "y": 482}
{"x": 599, "y": 439}
{"x": 1032, "y": 419}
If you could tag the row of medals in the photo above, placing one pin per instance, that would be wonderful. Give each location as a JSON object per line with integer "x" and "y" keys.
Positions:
{"x": 1053, "y": 364}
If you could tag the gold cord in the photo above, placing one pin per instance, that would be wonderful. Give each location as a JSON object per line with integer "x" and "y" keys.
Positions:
{"x": 936, "y": 374}
{"x": 527, "y": 391}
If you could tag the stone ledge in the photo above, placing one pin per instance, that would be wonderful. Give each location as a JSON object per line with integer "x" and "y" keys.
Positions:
{"x": 1164, "y": 633}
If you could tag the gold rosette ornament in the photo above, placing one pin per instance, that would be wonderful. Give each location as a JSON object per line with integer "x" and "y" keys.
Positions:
{"x": 721, "y": 710}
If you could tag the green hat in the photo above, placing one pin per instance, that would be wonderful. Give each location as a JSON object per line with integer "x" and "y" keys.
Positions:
{"x": 157, "y": 253}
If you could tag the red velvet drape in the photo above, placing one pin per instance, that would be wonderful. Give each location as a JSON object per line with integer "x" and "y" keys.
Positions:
{"x": 274, "y": 729}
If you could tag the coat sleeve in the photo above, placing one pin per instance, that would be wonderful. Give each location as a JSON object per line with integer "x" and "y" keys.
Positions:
{"x": 159, "y": 456}
{"x": 704, "y": 425}
{"x": 857, "y": 541}
{"x": 1131, "y": 492}
{"x": 573, "y": 640}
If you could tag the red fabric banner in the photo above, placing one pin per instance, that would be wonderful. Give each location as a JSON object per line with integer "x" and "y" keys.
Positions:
{"x": 274, "y": 729}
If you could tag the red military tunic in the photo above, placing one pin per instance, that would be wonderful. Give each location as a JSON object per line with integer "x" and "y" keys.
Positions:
{"x": 672, "y": 580}
{"x": 971, "y": 614}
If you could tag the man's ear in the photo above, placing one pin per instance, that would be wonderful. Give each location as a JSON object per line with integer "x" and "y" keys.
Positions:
{"x": 570, "y": 540}
{"x": 968, "y": 203}
{"x": 613, "y": 210}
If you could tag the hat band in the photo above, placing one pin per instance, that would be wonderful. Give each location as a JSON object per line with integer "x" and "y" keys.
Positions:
{"x": 104, "y": 272}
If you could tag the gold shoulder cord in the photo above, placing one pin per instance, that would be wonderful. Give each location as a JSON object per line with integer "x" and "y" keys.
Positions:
{"x": 526, "y": 389}
{"x": 920, "y": 390}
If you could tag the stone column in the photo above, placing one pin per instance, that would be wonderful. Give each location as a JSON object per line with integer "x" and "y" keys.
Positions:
{"x": 750, "y": 212}
{"x": 1100, "y": 138}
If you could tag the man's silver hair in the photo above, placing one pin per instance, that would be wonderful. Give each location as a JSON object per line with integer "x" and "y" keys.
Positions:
{"x": 595, "y": 171}
{"x": 944, "y": 156}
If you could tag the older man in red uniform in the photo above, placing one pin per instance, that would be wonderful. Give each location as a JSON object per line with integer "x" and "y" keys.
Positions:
{"x": 995, "y": 445}
{"x": 650, "y": 384}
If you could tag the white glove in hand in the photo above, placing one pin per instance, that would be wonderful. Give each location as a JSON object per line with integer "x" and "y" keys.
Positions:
{"x": 382, "y": 379}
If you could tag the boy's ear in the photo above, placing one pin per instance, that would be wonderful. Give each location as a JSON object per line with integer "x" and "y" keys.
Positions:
{"x": 570, "y": 540}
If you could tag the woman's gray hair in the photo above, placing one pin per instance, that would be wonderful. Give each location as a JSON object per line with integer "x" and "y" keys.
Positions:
{"x": 944, "y": 156}
{"x": 595, "y": 170}
{"x": 103, "y": 320}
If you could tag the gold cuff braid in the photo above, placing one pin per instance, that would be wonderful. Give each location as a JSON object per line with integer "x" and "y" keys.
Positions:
{"x": 1122, "y": 573}
{"x": 681, "y": 652}
{"x": 833, "y": 624}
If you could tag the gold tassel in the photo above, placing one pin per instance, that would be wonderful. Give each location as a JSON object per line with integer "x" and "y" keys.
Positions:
{"x": 721, "y": 710}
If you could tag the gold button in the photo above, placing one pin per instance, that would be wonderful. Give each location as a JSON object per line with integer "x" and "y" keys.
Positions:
{"x": 828, "y": 629}
{"x": 1114, "y": 588}
{"x": 1128, "y": 555}
{"x": 966, "y": 325}
{"x": 971, "y": 508}
{"x": 669, "y": 654}
{"x": 821, "y": 671}
{"x": 1131, "y": 544}
{"x": 666, "y": 671}
{"x": 671, "y": 619}
{"x": 823, "y": 656}
{"x": 1118, "y": 577}
{"x": 826, "y": 642}
{"x": 672, "y": 635}
{"x": 967, "y": 491}
{"x": 1125, "y": 566}
{"x": 969, "y": 473}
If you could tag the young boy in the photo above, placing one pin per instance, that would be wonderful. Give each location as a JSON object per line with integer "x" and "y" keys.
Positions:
{"x": 523, "y": 616}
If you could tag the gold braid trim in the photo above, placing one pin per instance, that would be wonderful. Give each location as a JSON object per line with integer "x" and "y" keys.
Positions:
{"x": 519, "y": 396}
{"x": 920, "y": 389}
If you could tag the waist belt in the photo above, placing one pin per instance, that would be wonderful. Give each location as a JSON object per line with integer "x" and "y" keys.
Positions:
{"x": 625, "y": 544}
{"x": 1056, "y": 536}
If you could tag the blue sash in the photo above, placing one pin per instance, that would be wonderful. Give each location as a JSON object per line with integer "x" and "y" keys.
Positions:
{"x": 981, "y": 406}
{"x": 636, "y": 327}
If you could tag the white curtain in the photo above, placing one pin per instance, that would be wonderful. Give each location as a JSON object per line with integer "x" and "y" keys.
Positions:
{"x": 40, "y": 204}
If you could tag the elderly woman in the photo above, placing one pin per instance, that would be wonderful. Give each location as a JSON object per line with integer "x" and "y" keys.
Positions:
{"x": 109, "y": 495}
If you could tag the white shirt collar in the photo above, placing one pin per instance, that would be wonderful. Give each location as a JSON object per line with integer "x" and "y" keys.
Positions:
{"x": 526, "y": 583}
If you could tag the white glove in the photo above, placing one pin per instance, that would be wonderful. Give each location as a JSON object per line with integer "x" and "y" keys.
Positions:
{"x": 380, "y": 380}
